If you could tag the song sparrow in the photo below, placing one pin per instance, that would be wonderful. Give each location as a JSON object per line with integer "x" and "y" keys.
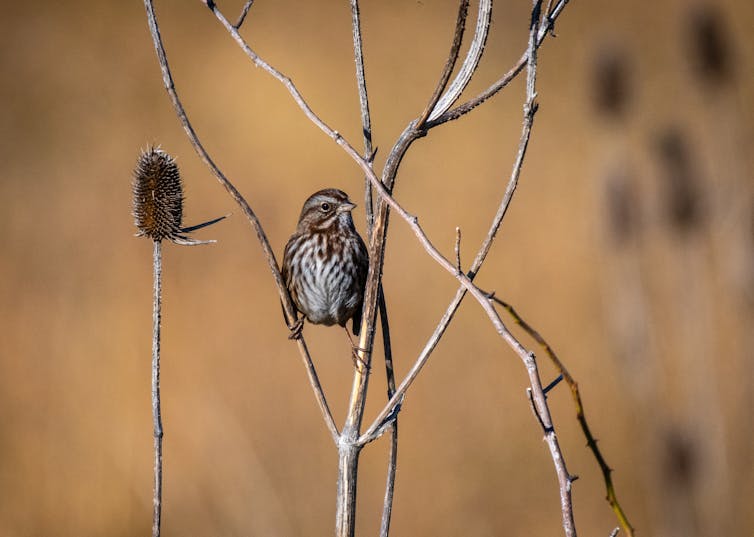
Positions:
{"x": 325, "y": 262}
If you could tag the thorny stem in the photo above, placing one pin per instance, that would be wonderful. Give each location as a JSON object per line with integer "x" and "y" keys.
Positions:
{"x": 156, "y": 413}
{"x": 285, "y": 298}
{"x": 591, "y": 442}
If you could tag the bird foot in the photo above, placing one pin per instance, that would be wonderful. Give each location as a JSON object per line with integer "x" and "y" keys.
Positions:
{"x": 358, "y": 360}
{"x": 296, "y": 329}
{"x": 355, "y": 356}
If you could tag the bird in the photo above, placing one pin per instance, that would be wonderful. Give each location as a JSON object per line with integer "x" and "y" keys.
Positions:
{"x": 325, "y": 263}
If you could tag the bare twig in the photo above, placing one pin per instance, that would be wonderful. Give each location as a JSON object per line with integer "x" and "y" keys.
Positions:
{"x": 244, "y": 12}
{"x": 387, "y": 506}
{"x": 591, "y": 442}
{"x": 546, "y": 16}
{"x": 366, "y": 121}
{"x": 534, "y": 410}
{"x": 471, "y": 62}
{"x": 250, "y": 215}
{"x": 455, "y": 49}
{"x": 156, "y": 413}
{"x": 458, "y": 249}
{"x": 469, "y": 105}
{"x": 290, "y": 86}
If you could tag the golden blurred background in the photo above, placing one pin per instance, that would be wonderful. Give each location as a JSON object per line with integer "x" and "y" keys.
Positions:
{"x": 629, "y": 246}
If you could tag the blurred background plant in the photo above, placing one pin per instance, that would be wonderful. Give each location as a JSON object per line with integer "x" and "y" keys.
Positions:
{"x": 629, "y": 245}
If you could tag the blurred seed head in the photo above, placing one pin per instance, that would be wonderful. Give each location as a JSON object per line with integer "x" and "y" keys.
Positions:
{"x": 682, "y": 197}
{"x": 679, "y": 459}
{"x": 708, "y": 46}
{"x": 158, "y": 196}
{"x": 611, "y": 84}
{"x": 622, "y": 207}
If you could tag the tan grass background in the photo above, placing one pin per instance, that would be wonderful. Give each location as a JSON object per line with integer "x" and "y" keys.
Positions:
{"x": 656, "y": 327}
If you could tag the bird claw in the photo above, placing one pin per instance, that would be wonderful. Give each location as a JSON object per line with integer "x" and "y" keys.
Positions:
{"x": 357, "y": 359}
{"x": 355, "y": 349}
{"x": 296, "y": 329}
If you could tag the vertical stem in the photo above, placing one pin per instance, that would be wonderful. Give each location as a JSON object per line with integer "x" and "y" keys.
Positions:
{"x": 366, "y": 122}
{"x": 387, "y": 507}
{"x": 156, "y": 416}
{"x": 348, "y": 464}
{"x": 348, "y": 445}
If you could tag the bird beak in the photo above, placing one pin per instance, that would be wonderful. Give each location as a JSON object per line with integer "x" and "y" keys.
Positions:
{"x": 346, "y": 207}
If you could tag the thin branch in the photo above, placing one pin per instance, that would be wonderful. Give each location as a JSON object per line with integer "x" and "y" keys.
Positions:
{"x": 591, "y": 442}
{"x": 458, "y": 249}
{"x": 469, "y": 105}
{"x": 533, "y": 406}
{"x": 470, "y": 64}
{"x": 455, "y": 49}
{"x": 366, "y": 121}
{"x": 244, "y": 12}
{"x": 290, "y": 86}
{"x": 387, "y": 506}
{"x": 246, "y": 208}
{"x": 156, "y": 413}
{"x": 546, "y": 12}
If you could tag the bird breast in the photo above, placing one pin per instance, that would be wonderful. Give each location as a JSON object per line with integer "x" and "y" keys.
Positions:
{"x": 325, "y": 285}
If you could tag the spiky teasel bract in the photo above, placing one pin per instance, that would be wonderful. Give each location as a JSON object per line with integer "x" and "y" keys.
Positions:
{"x": 158, "y": 199}
{"x": 158, "y": 195}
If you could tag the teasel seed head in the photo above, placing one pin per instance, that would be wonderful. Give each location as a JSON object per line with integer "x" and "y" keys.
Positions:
{"x": 158, "y": 196}
{"x": 158, "y": 200}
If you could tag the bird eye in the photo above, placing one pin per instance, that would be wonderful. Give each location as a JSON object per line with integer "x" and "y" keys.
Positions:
{"x": 325, "y": 207}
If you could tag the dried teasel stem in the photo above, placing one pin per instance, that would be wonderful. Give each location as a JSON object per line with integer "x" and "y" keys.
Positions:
{"x": 158, "y": 213}
{"x": 156, "y": 412}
